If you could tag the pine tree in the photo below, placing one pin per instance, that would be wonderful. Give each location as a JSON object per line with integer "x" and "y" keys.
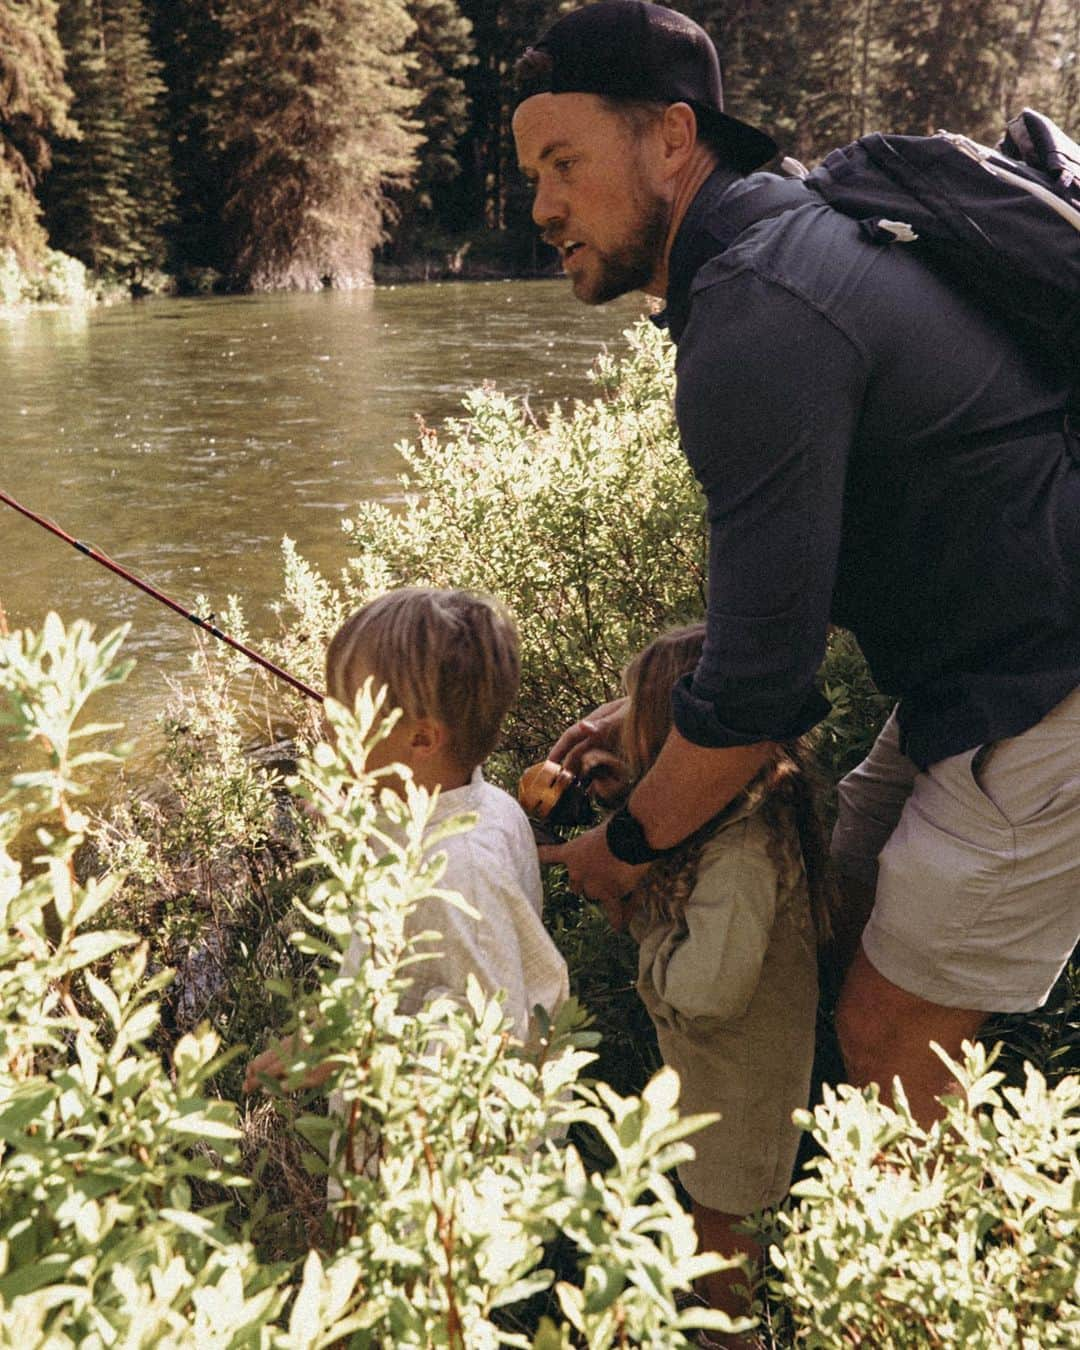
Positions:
{"x": 802, "y": 71}
{"x": 501, "y": 32}
{"x": 949, "y": 62}
{"x": 35, "y": 102}
{"x": 191, "y": 42}
{"x": 443, "y": 46}
{"x": 1064, "y": 94}
{"x": 141, "y": 92}
{"x": 442, "y": 50}
{"x": 109, "y": 199}
{"x": 759, "y": 55}
{"x": 312, "y": 117}
{"x": 832, "y": 106}
{"x": 87, "y": 202}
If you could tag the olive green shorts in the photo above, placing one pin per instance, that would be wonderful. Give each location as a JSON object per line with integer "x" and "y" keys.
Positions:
{"x": 975, "y": 861}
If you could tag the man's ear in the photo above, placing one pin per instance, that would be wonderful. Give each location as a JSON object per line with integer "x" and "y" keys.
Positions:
{"x": 679, "y": 135}
{"x": 427, "y": 737}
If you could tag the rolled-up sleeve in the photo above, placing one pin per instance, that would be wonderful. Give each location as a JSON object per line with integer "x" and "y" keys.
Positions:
{"x": 767, "y": 400}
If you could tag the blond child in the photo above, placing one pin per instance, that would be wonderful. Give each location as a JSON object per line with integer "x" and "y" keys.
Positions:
{"x": 449, "y": 660}
{"x": 728, "y": 928}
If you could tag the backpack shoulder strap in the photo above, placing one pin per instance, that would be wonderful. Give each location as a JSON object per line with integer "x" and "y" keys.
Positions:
{"x": 772, "y": 197}
{"x": 766, "y": 197}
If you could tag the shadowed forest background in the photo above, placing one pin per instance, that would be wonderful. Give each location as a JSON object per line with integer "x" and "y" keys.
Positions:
{"x": 266, "y": 144}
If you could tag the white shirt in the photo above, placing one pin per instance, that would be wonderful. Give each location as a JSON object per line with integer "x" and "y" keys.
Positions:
{"x": 494, "y": 868}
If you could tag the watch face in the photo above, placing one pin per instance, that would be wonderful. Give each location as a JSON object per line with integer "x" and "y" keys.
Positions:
{"x": 626, "y": 839}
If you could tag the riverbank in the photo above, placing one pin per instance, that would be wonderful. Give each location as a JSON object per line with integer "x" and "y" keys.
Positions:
{"x": 60, "y": 281}
{"x": 481, "y": 255}
{"x": 448, "y": 268}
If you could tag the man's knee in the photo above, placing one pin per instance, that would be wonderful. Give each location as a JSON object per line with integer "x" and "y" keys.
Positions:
{"x": 886, "y": 1031}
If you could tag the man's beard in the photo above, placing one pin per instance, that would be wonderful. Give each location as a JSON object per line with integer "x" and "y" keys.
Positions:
{"x": 631, "y": 266}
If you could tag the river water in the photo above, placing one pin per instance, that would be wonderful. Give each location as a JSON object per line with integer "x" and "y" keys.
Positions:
{"x": 184, "y": 438}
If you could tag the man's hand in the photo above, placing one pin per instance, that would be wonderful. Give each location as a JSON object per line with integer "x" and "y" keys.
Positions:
{"x": 600, "y": 730}
{"x": 594, "y": 872}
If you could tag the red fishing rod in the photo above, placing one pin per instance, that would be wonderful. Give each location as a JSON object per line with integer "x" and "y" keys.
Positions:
{"x": 205, "y": 624}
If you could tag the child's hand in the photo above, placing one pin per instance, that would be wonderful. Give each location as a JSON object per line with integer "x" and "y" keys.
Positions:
{"x": 594, "y": 872}
{"x": 276, "y": 1062}
{"x": 269, "y": 1064}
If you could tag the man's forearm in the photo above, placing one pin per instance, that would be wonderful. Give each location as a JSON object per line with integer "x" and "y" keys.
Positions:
{"x": 689, "y": 784}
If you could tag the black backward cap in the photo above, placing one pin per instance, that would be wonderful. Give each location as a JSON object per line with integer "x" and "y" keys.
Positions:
{"x": 630, "y": 49}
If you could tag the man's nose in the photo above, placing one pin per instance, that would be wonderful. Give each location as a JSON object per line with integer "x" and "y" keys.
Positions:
{"x": 547, "y": 208}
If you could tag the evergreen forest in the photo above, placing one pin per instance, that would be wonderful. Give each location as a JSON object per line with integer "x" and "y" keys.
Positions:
{"x": 267, "y": 144}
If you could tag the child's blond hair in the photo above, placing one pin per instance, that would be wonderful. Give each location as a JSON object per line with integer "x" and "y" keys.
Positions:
{"x": 449, "y": 655}
{"x": 786, "y": 790}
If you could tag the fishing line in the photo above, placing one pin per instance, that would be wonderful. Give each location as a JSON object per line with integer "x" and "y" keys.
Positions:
{"x": 206, "y": 625}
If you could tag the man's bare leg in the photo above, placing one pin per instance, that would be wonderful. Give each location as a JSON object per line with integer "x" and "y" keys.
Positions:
{"x": 885, "y": 1033}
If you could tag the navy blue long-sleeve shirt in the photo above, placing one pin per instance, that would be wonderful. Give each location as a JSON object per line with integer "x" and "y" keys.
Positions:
{"x": 864, "y": 436}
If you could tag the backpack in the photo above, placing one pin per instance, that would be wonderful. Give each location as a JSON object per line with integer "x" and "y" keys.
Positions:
{"x": 1003, "y": 224}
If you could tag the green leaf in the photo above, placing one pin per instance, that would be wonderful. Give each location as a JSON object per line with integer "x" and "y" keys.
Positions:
{"x": 550, "y": 1337}
{"x": 202, "y": 1125}
{"x": 87, "y": 948}
{"x": 25, "y": 1105}
{"x": 304, "y": 1320}
{"x": 105, "y": 998}
{"x": 197, "y": 1225}
{"x": 36, "y": 1274}
{"x": 522, "y": 1289}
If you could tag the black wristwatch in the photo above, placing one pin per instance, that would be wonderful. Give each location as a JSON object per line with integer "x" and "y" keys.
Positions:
{"x": 626, "y": 840}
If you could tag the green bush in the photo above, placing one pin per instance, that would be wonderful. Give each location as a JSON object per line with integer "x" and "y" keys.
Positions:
{"x": 961, "y": 1235}
{"x": 102, "y": 1144}
{"x": 56, "y": 280}
{"x": 208, "y": 853}
{"x": 118, "y": 1165}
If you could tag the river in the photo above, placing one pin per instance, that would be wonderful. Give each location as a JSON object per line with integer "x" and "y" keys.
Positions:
{"x": 185, "y": 437}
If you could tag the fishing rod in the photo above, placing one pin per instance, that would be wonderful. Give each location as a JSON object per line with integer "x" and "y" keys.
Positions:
{"x": 205, "y": 624}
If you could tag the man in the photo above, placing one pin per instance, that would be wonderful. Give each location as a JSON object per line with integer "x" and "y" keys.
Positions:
{"x": 877, "y": 453}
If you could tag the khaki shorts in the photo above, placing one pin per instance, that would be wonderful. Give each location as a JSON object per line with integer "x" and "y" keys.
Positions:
{"x": 976, "y": 863}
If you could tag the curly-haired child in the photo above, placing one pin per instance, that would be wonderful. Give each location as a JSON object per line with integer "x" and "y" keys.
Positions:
{"x": 728, "y": 927}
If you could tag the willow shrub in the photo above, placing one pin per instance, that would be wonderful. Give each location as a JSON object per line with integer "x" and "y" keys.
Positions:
{"x": 588, "y": 525}
{"x": 118, "y": 1163}
{"x": 961, "y": 1235}
{"x": 55, "y": 279}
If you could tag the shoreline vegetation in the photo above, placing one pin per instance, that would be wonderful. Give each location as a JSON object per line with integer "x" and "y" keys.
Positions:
{"x": 148, "y": 947}
{"x": 151, "y": 947}
{"x": 60, "y": 280}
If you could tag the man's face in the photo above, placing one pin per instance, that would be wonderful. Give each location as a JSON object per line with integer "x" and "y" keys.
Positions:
{"x": 593, "y": 196}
